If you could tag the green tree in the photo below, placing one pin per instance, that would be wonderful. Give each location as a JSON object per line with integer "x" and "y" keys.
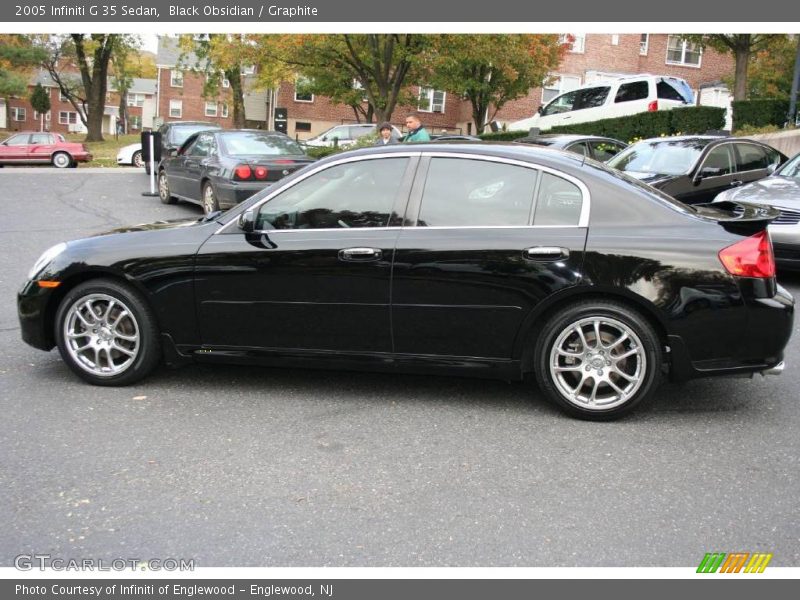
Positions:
{"x": 493, "y": 69}
{"x": 40, "y": 101}
{"x": 18, "y": 56}
{"x": 125, "y": 67}
{"x": 769, "y": 74}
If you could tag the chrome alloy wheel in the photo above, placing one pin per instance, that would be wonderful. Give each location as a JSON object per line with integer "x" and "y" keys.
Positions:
{"x": 163, "y": 186}
{"x": 101, "y": 335}
{"x": 209, "y": 202}
{"x": 597, "y": 363}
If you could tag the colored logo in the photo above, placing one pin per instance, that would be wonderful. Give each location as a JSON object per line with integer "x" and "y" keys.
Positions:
{"x": 735, "y": 562}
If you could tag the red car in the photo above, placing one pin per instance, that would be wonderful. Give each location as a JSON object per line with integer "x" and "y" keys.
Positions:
{"x": 30, "y": 147}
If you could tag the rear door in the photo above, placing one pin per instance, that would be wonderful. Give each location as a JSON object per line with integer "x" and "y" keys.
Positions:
{"x": 693, "y": 189}
{"x": 195, "y": 163}
{"x": 752, "y": 163}
{"x": 41, "y": 146}
{"x": 631, "y": 97}
{"x": 485, "y": 241}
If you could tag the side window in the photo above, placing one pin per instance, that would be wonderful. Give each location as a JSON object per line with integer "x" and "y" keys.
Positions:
{"x": 357, "y": 194}
{"x": 559, "y": 202}
{"x": 561, "y": 104}
{"x": 40, "y": 138}
{"x": 580, "y": 148}
{"x": 474, "y": 193}
{"x": 18, "y": 140}
{"x": 636, "y": 90}
{"x": 603, "y": 151}
{"x": 591, "y": 97}
{"x": 751, "y": 158}
{"x": 773, "y": 156}
{"x": 342, "y": 133}
{"x": 719, "y": 158}
{"x": 202, "y": 146}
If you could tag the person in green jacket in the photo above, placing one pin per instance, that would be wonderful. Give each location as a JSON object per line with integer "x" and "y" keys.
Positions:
{"x": 416, "y": 132}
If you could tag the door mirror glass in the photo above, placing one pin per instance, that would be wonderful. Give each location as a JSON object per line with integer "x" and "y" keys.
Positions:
{"x": 247, "y": 221}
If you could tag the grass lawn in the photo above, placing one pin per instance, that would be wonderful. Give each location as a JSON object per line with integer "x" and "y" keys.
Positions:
{"x": 104, "y": 153}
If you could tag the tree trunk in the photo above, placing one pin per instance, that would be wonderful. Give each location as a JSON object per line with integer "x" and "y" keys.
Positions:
{"x": 742, "y": 56}
{"x": 234, "y": 76}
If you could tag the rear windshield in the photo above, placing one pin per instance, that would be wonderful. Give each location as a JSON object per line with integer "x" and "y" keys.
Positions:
{"x": 245, "y": 143}
{"x": 659, "y": 157}
{"x": 674, "y": 89}
{"x": 181, "y": 134}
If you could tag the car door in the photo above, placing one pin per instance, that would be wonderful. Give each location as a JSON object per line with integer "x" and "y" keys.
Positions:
{"x": 591, "y": 104}
{"x": 41, "y": 147}
{"x": 485, "y": 241}
{"x": 631, "y": 98}
{"x": 752, "y": 162}
{"x": 558, "y": 110}
{"x": 714, "y": 173}
{"x": 15, "y": 148}
{"x": 195, "y": 163}
{"x": 175, "y": 167}
{"x": 316, "y": 274}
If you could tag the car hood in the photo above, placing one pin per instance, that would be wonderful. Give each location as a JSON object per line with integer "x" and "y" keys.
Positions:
{"x": 650, "y": 178}
{"x": 158, "y": 225}
{"x": 783, "y": 192}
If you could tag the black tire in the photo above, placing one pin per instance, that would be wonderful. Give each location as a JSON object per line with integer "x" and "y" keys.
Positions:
{"x": 133, "y": 316}
{"x": 163, "y": 189}
{"x": 605, "y": 384}
{"x": 61, "y": 160}
{"x": 136, "y": 159}
{"x": 209, "y": 199}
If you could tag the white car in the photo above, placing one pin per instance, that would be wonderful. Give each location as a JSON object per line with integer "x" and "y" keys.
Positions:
{"x": 610, "y": 99}
{"x": 130, "y": 155}
{"x": 346, "y": 135}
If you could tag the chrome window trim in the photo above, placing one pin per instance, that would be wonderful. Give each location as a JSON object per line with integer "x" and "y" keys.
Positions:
{"x": 583, "y": 219}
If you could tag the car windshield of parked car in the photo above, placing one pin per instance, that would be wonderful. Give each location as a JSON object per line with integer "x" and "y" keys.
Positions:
{"x": 660, "y": 157}
{"x": 253, "y": 143}
{"x": 791, "y": 168}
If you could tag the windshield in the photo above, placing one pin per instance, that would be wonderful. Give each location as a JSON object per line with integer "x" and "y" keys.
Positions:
{"x": 791, "y": 168}
{"x": 181, "y": 134}
{"x": 662, "y": 157}
{"x": 244, "y": 143}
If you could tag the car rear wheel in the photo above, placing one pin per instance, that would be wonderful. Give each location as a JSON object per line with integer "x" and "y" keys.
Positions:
{"x": 210, "y": 203}
{"x": 163, "y": 189}
{"x": 597, "y": 360}
{"x": 137, "y": 159}
{"x": 106, "y": 333}
{"x": 61, "y": 160}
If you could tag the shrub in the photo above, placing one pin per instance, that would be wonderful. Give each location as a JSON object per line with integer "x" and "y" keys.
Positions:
{"x": 758, "y": 113}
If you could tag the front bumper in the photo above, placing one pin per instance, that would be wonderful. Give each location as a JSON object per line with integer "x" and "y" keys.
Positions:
{"x": 34, "y": 311}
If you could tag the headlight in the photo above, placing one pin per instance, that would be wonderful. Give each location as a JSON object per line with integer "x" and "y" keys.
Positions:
{"x": 47, "y": 256}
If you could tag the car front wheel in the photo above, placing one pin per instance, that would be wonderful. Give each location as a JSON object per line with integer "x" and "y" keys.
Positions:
{"x": 597, "y": 360}
{"x": 106, "y": 333}
{"x": 163, "y": 188}
{"x": 61, "y": 160}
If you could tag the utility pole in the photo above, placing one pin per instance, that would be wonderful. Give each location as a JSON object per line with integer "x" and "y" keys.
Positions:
{"x": 795, "y": 85}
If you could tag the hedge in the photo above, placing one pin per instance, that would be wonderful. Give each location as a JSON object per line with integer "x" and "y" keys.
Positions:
{"x": 692, "y": 119}
{"x": 759, "y": 113}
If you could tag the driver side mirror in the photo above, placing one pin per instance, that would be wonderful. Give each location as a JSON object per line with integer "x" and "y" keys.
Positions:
{"x": 708, "y": 172}
{"x": 772, "y": 168}
{"x": 540, "y": 110}
{"x": 247, "y": 221}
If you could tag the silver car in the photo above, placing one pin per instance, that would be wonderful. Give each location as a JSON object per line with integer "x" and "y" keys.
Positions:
{"x": 781, "y": 190}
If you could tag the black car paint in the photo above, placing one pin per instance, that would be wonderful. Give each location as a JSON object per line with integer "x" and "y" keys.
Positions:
{"x": 444, "y": 300}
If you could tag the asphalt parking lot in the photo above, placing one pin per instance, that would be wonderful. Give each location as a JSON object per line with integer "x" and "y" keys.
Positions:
{"x": 238, "y": 466}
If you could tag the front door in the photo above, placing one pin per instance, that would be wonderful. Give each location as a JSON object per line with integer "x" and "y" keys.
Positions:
{"x": 316, "y": 274}
{"x": 485, "y": 242}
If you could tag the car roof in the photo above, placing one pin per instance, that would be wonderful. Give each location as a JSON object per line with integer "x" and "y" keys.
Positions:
{"x": 193, "y": 124}
{"x": 250, "y": 130}
{"x": 563, "y": 138}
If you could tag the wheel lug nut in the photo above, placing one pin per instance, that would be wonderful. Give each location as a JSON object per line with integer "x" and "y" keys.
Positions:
{"x": 588, "y": 368}
{"x": 599, "y": 371}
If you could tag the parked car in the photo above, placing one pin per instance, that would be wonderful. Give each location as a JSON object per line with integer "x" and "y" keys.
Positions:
{"x": 175, "y": 133}
{"x": 610, "y": 99}
{"x": 781, "y": 190}
{"x": 33, "y": 147}
{"x": 694, "y": 169}
{"x": 346, "y": 135}
{"x": 131, "y": 155}
{"x": 454, "y": 137}
{"x": 220, "y": 168}
{"x": 593, "y": 146}
{"x": 477, "y": 259}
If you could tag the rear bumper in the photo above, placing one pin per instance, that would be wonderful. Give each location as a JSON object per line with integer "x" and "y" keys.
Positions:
{"x": 231, "y": 193}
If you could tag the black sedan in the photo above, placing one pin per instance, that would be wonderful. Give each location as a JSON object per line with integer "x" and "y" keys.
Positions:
{"x": 694, "y": 169}
{"x": 220, "y": 168}
{"x": 594, "y": 146}
{"x": 781, "y": 190}
{"x": 484, "y": 260}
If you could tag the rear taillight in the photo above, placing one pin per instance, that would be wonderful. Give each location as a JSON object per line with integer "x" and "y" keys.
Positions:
{"x": 752, "y": 257}
{"x": 653, "y": 106}
{"x": 261, "y": 172}
{"x": 243, "y": 172}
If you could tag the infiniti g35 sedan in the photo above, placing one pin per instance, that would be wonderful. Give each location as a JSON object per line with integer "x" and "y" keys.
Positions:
{"x": 483, "y": 260}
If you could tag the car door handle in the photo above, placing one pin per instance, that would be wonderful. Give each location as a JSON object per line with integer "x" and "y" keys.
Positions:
{"x": 545, "y": 253}
{"x": 360, "y": 254}
{"x": 736, "y": 182}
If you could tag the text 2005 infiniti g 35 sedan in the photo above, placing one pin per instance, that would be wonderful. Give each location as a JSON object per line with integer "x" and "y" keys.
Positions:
{"x": 482, "y": 260}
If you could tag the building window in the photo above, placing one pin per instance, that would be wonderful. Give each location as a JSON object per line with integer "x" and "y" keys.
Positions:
{"x": 681, "y": 52}
{"x": 558, "y": 85}
{"x": 47, "y": 116}
{"x": 176, "y": 108}
{"x": 211, "y": 109}
{"x": 135, "y": 122}
{"x": 18, "y": 113}
{"x": 61, "y": 96}
{"x": 576, "y": 41}
{"x": 644, "y": 44}
{"x": 226, "y": 83}
{"x": 302, "y": 126}
{"x": 176, "y": 78}
{"x": 224, "y": 111}
{"x": 301, "y": 91}
{"x": 135, "y": 99}
{"x": 431, "y": 100}
{"x": 67, "y": 118}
